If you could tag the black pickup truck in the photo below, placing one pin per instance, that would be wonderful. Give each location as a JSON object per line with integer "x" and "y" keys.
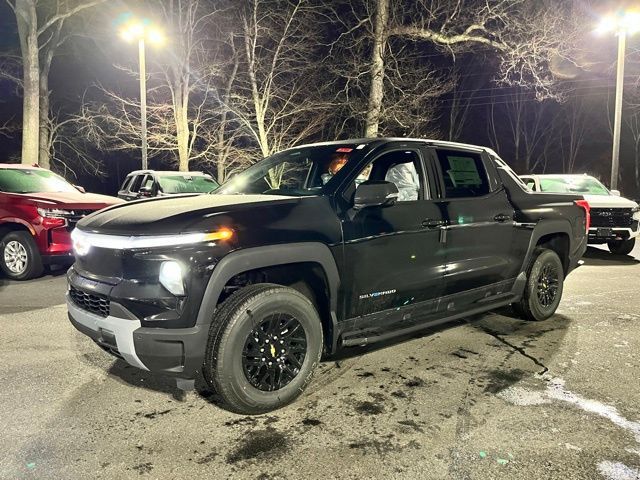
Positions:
{"x": 315, "y": 249}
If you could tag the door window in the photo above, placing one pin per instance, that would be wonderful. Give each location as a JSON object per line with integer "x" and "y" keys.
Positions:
{"x": 463, "y": 174}
{"x": 401, "y": 168}
{"x": 125, "y": 185}
{"x": 135, "y": 185}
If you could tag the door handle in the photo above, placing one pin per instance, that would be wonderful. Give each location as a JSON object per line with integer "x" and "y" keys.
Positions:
{"x": 502, "y": 217}
{"x": 429, "y": 223}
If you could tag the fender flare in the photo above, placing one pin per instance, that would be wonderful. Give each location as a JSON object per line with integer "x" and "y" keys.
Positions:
{"x": 540, "y": 229}
{"x": 268, "y": 256}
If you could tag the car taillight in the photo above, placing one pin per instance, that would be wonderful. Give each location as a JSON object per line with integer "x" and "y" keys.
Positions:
{"x": 587, "y": 212}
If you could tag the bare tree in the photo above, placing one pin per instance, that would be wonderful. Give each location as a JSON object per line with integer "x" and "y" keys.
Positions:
{"x": 40, "y": 27}
{"x": 529, "y": 39}
{"x": 278, "y": 95}
{"x": 518, "y": 124}
{"x": 574, "y": 127}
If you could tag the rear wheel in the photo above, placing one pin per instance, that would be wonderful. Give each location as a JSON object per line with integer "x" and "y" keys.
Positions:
{"x": 543, "y": 292}
{"x": 19, "y": 256}
{"x": 264, "y": 345}
{"x": 621, "y": 247}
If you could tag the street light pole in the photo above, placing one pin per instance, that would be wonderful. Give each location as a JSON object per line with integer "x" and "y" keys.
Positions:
{"x": 145, "y": 33}
{"x": 617, "y": 127}
{"x": 143, "y": 101}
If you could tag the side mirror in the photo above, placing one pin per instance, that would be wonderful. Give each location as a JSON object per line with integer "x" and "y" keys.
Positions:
{"x": 80, "y": 189}
{"x": 375, "y": 194}
{"x": 615, "y": 193}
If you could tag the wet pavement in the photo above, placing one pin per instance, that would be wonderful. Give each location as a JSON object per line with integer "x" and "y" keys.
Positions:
{"x": 489, "y": 397}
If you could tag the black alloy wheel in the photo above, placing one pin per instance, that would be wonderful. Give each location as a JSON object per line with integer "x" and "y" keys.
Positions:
{"x": 274, "y": 352}
{"x": 265, "y": 342}
{"x": 547, "y": 285}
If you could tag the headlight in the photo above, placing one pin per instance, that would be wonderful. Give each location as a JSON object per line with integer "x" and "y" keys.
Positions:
{"x": 120, "y": 242}
{"x": 171, "y": 277}
{"x": 55, "y": 213}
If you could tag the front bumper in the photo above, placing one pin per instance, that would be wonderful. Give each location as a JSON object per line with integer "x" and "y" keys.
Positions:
{"x": 603, "y": 235}
{"x": 177, "y": 352}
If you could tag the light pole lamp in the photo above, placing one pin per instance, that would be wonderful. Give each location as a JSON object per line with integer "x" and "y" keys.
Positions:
{"x": 623, "y": 24}
{"x": 143, "y": 31}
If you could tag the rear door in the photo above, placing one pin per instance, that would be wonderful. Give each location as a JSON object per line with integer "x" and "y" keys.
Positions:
{"x": 481, "y": 260}
{"x": 393, "y": 256}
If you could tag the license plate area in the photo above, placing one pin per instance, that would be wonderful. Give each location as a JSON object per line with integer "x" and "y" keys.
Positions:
{"x": 604, "y": 232}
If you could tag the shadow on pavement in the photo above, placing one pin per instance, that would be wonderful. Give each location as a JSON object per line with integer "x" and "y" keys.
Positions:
{"x": 599, "y": 257}
{"x": 147, "y": 380}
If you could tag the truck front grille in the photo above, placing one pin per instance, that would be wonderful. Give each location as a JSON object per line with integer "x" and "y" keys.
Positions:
{"x": 93, "y": 303}
{"x": 611, "y": 217}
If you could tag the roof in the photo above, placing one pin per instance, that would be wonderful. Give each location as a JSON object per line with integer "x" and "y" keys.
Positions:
{"x": 367, "y": 141}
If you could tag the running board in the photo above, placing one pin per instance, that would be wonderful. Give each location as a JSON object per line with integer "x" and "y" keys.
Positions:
{"x": 354, "y": 341}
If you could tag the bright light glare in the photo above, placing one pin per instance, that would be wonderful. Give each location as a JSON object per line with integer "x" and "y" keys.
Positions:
{"x": 155, "y": 36}
{"x": 626, "y": 23}
{"x": 137, "y": 30}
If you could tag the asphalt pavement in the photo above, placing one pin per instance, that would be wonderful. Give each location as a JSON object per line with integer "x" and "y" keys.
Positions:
{"x": 490, "y": 397}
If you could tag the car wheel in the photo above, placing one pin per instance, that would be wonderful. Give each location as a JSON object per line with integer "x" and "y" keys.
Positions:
{"x": 19, "y": 256}
{"x": 264, "y": 345}
{"x": 543, "y": 290}
{"x": 621, "y": 247}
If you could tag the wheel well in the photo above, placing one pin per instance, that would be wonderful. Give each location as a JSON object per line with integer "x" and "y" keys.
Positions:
{"x": 308, "y": 278}
{"x": 11, "y": 227}
{"x": 559, "y": 243}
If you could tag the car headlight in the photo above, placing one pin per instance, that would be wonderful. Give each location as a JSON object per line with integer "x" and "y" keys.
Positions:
{"x": 55, "y": 213}
{"x": 121, "y": 242}
{"x": 171, "y": 277}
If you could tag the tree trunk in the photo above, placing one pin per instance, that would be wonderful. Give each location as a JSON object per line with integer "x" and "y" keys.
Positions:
{"x": 182, "y": 132}
{"x": 28, "y": 32}
{"x": 44, "y": 155}
{"x": 376, "y": 90}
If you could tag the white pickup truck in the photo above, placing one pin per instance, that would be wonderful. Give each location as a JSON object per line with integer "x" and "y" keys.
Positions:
{"x": 614, "y": 220}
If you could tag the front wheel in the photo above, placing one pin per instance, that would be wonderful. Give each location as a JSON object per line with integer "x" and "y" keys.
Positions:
{"x": 19, "y": 256}
{"x": 543, "y": 290}
{"x": 264, "y": 345}
{"x": 621, "y": 247}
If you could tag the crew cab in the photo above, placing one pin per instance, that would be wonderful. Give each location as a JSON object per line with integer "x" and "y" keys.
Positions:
{"x": 614, "y": 220}
{"x": 156, "y": 183}
{"x": 38, "y": 210}
{"x": 315, "y": 249}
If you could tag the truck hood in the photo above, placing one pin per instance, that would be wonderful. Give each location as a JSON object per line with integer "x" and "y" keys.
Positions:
{"x": 70, "y": 200}
{"x": 609, "y": 201}
{"x": 175, "y": 214}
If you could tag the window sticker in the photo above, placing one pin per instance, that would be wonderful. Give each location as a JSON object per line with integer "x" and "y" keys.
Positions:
{"x": 463, "y": 171}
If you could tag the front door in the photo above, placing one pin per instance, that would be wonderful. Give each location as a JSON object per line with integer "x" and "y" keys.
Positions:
{"x": 394, "y": 260}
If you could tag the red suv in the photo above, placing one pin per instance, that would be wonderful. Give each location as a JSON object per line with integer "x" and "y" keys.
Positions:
{"x": 38, "y": 210}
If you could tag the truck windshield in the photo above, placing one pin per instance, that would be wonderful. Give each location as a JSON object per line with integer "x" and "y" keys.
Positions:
{"x": 187, "y": 183}
{"x": 582, "y": 185}
{"x": 297, "y": 172}
{"x": 23, "y": 180}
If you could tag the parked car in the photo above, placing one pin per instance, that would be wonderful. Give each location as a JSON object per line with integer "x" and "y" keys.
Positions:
{"x": 38, "y": 210}
{"x": 154, "y": 183}
{"x": 252, "y": 284}
{"x": 614, "y": 220}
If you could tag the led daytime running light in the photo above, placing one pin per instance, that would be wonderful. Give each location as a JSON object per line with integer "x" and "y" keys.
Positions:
{"x": 119, "y": 242}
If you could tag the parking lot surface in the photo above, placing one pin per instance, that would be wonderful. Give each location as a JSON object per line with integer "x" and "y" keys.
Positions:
{"x": 489, "y": 397}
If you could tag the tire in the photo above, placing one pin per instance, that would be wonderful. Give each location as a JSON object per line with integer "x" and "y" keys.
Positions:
{"x": 535, "y": 304}
{"x": 245, "y": 316}
{"x": 621, "y": 247}
{"x": 19, "y": 256}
